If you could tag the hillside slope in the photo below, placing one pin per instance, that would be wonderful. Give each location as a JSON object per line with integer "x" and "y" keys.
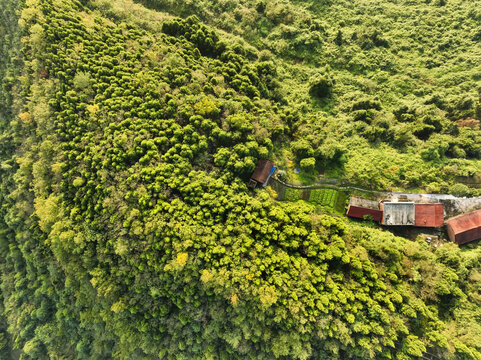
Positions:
{"x": 401, "y": 82}
{"x": 127, "y": 227}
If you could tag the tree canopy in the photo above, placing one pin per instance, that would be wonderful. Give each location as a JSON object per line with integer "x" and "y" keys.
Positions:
{"x": 127, "y": 229}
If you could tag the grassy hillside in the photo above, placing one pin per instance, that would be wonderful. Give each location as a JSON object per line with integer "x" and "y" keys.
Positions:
{"x": 400, "y": 82}
{"x": 127, "y": 227}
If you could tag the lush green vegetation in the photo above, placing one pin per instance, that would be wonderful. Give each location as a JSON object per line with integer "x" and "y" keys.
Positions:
{"x": 388, "y": 92}
{"x": 326, "y": 197}
{"x": 127, "y": 230}
{"x": 330, "y": 200}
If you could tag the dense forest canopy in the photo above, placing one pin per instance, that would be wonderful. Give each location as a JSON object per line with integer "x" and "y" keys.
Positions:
{"x": 393, "y": 84}
{"x": 129, "y": 131}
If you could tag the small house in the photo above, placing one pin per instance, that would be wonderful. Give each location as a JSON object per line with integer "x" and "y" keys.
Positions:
{"x": 465, "y": 228}
{"x": 362, "y": 208}
{"x": 429, "y": 215}
{"x": 262, "y": 173}
{"x": 398, "y": 213}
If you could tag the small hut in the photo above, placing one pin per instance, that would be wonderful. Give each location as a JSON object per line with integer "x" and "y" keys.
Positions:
{"x": 262, "y": 173}
{"x": 465, "y": 228}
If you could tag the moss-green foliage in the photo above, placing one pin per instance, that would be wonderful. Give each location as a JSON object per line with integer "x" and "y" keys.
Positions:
{"x": 320, "y": 86}
{"x": 10, "y": 69}
{"x": 375, "y": 70}
{"x": 330, "y": 199}
{"x": 128, "y": 231}
{"x": 292, "y": 194}
{"x": 341, "y": 203}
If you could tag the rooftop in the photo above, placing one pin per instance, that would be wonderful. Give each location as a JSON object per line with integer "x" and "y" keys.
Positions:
{"x": 362, "y": 213}
{"x": 262, "y": 171}
{"x": 364, "y": 203}
{"x": 462, "y": 223}
{"x": 429, "y": 215}
{"x": 398, "y": 213}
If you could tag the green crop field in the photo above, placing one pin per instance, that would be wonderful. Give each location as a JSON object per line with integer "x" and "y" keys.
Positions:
{"x": 329, "y": 198}
{"x": 325, "y": 197}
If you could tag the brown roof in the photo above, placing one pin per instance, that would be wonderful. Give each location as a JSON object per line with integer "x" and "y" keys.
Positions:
{"x": 429, "y": 215}
{"x": 360, "y": 213}
{"x": 262, "y": 171}
{"x": 465, "y": 228}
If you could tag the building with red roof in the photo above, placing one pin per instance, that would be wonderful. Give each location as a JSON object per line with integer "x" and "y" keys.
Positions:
{"x": 364, "y": 209}
{"x": 465, "y": 228}
{"x": 364, "y": 213}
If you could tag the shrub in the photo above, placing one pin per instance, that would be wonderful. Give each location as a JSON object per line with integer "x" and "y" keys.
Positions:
{"x": 459, "y": 190}
{"x": 308, "y": 164}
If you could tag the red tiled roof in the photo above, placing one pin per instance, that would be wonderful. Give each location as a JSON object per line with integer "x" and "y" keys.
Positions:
{"x": 429, "y": 215}
{"x": 360, "y": 212}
